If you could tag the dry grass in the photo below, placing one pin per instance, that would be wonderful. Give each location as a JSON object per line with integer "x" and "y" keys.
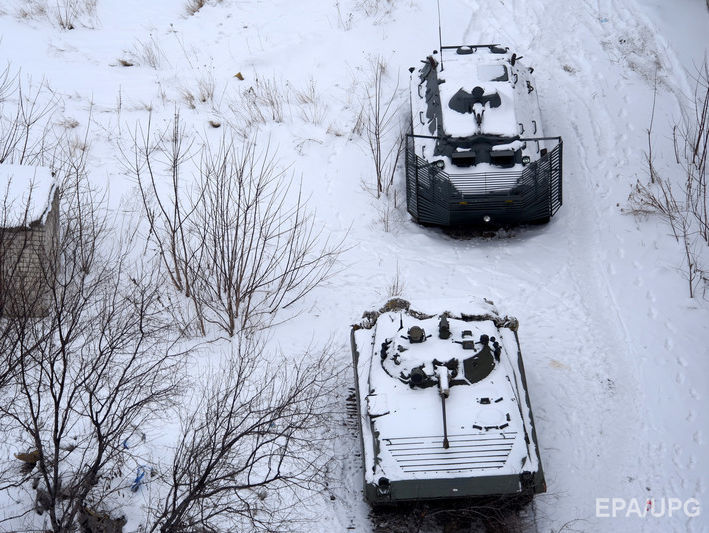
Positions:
{"x": 206, "y": 88}
{"x": 192, "y": 7}
{"x": 65, "y": 14}
{"x": 69, "y": 123}
{"x": 396, "y": 287}
{"x": 202, "y": 93}
{"x": 32, "y": 10}
{"x": 268, "y": 100}
{"x": 272, "y": 97}
{"x": 275, "y": 100}
{"x": 312, "y": 109}
{"x": 188, "y": 97}
{"x": 374, "y": 8}
{"x": 345, "y": 21}
{"x": 148, "y": 52}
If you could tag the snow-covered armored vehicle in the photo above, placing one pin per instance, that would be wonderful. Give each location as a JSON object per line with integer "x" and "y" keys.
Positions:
{"x": 443, "y": 406}
{"x": 475, "y": 152}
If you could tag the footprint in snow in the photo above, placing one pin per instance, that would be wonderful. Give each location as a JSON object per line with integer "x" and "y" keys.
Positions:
{"x": 697, "y": 437}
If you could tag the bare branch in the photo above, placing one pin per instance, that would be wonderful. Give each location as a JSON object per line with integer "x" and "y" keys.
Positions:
{"x": 252, "y": 446}
{"x": 100, "y": 362}
{"x": 236, "y": 243}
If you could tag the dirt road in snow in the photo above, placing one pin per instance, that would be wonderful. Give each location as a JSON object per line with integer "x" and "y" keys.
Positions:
{"x": 616, "y": 355}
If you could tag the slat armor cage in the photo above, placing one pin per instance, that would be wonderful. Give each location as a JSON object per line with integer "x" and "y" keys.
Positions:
{"x": 435, "y": 197}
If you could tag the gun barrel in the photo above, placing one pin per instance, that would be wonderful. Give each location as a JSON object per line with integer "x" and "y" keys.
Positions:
{"x": 445, "y": 424}
{"x": 444, "y": 389}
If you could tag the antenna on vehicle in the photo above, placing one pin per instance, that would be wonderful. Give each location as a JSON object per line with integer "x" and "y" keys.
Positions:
{"x": 440, "y": 38}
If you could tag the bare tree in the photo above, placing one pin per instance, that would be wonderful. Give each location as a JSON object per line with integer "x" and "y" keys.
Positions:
{"x": 691, "y": 140}
{"x": 383, "y": 128}
{"x": 99, "y": 364}
{"x": 25, "y": 120}
{"x": 253, "y": 446}
{"x": 262, "y": 252}
{"x": 683, "y": 206}
{"x": 17, "y": 246}
{"x": 26, "y": 137}
{"x": 235, "y": 242}
{"x": 157, "y": 162}
{"x": 7, "y": 83}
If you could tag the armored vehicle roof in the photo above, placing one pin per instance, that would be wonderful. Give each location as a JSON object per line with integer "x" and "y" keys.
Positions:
{"x": 472, "y": 82}
{"x": 476, "y": 102}
{"x": 476, "y": 152}
{"x": 425, "y": 445}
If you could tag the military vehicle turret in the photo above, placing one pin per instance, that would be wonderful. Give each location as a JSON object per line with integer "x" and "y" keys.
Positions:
{"x": 443, "y": 406}
{"x": 475, "y": 152}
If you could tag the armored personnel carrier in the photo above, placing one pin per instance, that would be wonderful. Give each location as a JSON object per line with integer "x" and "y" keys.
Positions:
{"x": 476, "y": 153}
{"x": 443, "y": 406}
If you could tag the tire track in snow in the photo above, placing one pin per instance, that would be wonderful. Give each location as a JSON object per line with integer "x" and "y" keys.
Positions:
{"x": 560, "y": 279}
{"x": 586, "y": 265}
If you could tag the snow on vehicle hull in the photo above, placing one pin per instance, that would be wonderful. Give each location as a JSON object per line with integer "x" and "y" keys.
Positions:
{"x": 476, "y": 153}
{"x": 448, "y": 416}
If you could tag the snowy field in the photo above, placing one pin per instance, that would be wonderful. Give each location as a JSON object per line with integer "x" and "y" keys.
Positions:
{"x": 616, "y": 353}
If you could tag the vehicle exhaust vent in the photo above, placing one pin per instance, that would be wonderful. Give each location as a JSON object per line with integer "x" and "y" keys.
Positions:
{"x": 467, "y": 452}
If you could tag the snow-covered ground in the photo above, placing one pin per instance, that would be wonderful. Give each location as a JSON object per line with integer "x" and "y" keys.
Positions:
{"x": 617, "y": 355}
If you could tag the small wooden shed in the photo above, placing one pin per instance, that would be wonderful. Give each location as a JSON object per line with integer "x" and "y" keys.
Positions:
{"x": 29, "y": 220}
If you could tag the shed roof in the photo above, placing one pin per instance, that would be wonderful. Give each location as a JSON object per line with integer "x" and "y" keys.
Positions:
{"x": 26, "y": 194}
